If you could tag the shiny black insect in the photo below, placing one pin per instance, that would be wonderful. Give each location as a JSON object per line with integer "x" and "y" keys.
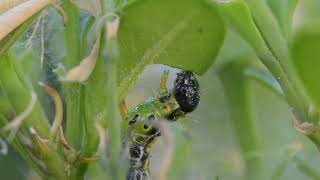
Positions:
{"x": 186, "y": 91}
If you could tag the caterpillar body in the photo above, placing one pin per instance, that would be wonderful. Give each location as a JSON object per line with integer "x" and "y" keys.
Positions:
{"x": 140, "y": 124}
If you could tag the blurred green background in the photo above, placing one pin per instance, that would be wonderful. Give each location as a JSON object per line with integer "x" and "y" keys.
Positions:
{"x": 206, "y": 143}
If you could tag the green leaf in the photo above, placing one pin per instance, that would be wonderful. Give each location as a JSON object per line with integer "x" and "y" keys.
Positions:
{"x": 18, "y": 93}
{"x": 185, "y": 34}
{"x": 283, "y": 10}
{"x": 305, "y": 51}
{"x": 238, "y": 15}
{"x": 266, "y": 79}
{"x": 253, "y": 20}
{"x": 6, "y": 108}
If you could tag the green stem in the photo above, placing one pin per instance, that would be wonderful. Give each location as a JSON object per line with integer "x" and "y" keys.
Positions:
{"x": 277, "y": 45}
{"x": 111, "y": 55}
{"x": 264, "y": 35}
{"x": 276, "y": 70}
{"x": 238, "y": 94}
{"x": 73, "y": 91}
{"x": 95, "y": 104}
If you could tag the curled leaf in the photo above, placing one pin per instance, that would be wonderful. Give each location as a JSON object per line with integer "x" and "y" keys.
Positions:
{"x": 8, "y": 4}
{"x": 58, "y": 108}
{"x": 112, "y": 28}
{"x": 82, "y": 72}
{"x": 16, "y": 16}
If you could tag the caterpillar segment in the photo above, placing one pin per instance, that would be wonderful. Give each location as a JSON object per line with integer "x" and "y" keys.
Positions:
{"x": 140, "y": 128}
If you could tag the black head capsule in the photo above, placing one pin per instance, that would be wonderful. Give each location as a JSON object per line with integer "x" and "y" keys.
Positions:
{"x": 186, "y": 91}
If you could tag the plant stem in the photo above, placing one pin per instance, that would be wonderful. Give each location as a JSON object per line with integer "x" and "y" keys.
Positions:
{"x": 111, "y": 55}
{"x": 241, "y": 109}
{"x": 277, "y": 45}
{"x": 73, "y": 91}
{"x": 239, "y": 16}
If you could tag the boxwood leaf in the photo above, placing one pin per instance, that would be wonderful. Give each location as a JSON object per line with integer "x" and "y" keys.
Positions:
{"x": 186, "y": 34}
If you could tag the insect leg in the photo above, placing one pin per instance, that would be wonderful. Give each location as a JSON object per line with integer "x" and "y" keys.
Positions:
{"x": 123, "y": 109}
{"x": 164, "y": 80}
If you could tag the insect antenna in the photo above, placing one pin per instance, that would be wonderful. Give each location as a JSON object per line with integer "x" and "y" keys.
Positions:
{"x": 196, "y": 119}
{"x": 205, "y": 91}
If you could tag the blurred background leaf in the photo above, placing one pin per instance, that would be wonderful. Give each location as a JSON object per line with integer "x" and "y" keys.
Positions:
{"x": 306, "y": 57}
{"x": 284, "y": 11}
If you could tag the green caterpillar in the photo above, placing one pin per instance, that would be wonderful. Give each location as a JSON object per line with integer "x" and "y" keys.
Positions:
{"x": 140, "y": 124}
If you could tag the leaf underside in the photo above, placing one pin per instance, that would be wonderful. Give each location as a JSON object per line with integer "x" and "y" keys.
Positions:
{"x": 185, "y": 34}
